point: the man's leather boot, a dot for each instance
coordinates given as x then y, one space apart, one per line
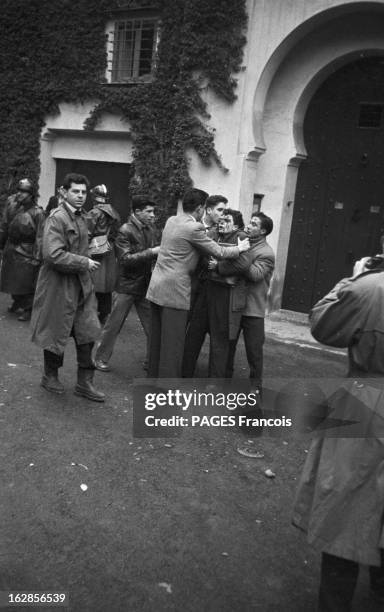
85 387
50 381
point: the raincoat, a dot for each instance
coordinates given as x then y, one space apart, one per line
340 498
64 300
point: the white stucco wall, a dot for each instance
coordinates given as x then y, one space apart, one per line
292 46
275 28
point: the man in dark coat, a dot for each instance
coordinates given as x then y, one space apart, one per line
198 324
65 302
20 231
136 253
340 497
226 298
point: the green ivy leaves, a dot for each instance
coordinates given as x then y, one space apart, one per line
55 50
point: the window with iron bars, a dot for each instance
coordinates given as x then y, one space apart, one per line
133 49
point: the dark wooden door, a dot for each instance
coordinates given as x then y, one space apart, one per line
339 204
115 176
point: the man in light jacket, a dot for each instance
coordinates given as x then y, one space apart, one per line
257 266
184 239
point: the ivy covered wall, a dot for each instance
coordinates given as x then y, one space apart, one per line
54 51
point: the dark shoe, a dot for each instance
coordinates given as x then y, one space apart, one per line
25 316
85 387
101 365
51 383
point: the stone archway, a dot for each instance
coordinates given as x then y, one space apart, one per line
338 215
344 35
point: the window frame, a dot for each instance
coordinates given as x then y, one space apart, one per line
113 69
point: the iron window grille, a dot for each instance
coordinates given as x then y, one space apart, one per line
133 49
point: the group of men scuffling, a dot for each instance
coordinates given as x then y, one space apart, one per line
209 274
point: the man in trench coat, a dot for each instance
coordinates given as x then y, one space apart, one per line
340 498
65 302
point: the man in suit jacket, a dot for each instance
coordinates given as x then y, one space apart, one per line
257 265
184 239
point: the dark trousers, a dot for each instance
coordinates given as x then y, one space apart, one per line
221 355
221 346
167 338
104 305
197 329
254 336
52 361
338 581
23 301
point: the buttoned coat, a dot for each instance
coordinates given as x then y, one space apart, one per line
340 498
64 298
184 240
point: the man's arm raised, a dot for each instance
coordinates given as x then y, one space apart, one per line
205 244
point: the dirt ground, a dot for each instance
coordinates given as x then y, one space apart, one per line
128 524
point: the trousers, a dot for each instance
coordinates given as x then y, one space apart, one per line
53 361
116 319
338 581
197 329
104 305
167 339
254 336
24 301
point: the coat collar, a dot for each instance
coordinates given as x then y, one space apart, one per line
256 241
138 224
71 210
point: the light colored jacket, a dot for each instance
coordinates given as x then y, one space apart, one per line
257 266
340 498
183 241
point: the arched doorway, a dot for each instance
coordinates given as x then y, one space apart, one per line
339 204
